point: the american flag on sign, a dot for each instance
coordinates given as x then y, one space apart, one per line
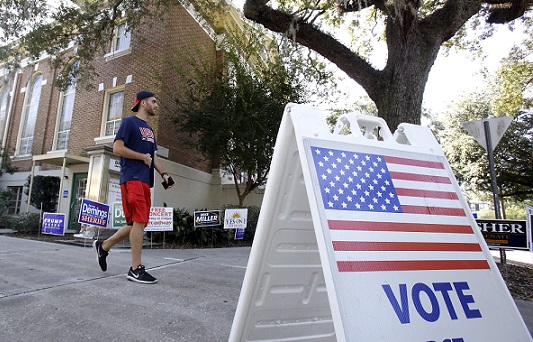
389 213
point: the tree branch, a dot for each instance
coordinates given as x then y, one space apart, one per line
308 35
446 21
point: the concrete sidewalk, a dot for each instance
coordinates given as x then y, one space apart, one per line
55 292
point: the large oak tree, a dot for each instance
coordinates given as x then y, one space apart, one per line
414 31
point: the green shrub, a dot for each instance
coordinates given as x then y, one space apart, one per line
186 234
28 222
5 197
44 192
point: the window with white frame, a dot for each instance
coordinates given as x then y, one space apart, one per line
4 97
120 45
30 116
113 113
15 201
122 38
65 117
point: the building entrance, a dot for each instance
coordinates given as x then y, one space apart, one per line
79 185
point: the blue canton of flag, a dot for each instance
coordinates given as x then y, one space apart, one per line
355 181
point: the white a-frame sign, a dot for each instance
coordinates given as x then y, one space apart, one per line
366 237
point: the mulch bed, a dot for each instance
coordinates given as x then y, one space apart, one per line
519 280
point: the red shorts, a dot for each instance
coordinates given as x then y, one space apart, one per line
136 201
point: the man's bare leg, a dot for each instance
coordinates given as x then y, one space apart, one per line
136 242
119 236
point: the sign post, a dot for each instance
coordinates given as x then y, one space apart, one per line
207 218
489 140
366 238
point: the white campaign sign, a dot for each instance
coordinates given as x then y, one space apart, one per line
235 218
368 239
161 219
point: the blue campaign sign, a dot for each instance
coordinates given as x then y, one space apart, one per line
206 218
53 224
508 234
239 233
94 213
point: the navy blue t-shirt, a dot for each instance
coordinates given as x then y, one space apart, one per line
139 137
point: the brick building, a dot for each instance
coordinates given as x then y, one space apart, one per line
69 134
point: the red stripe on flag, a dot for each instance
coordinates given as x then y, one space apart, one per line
426 193
419 178
358 246
411 265
413 209
414 162
399 227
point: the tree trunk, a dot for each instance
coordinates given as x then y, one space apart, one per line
413 42
398 93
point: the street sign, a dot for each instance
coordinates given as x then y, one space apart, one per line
498 126
365 238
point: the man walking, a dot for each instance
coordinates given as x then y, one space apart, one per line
135 144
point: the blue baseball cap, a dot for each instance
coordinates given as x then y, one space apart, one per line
143 94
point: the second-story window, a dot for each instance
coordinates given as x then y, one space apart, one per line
30 116
65 120
114 113
65 117
122 38
4 97
120 45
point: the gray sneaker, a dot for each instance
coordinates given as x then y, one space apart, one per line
139 275
101 255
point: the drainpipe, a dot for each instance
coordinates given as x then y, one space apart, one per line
61 184
10 110
31 185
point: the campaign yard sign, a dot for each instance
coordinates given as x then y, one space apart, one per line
368 238
119 219
235 218
53 224
161 219
207 218
508 234
94 213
